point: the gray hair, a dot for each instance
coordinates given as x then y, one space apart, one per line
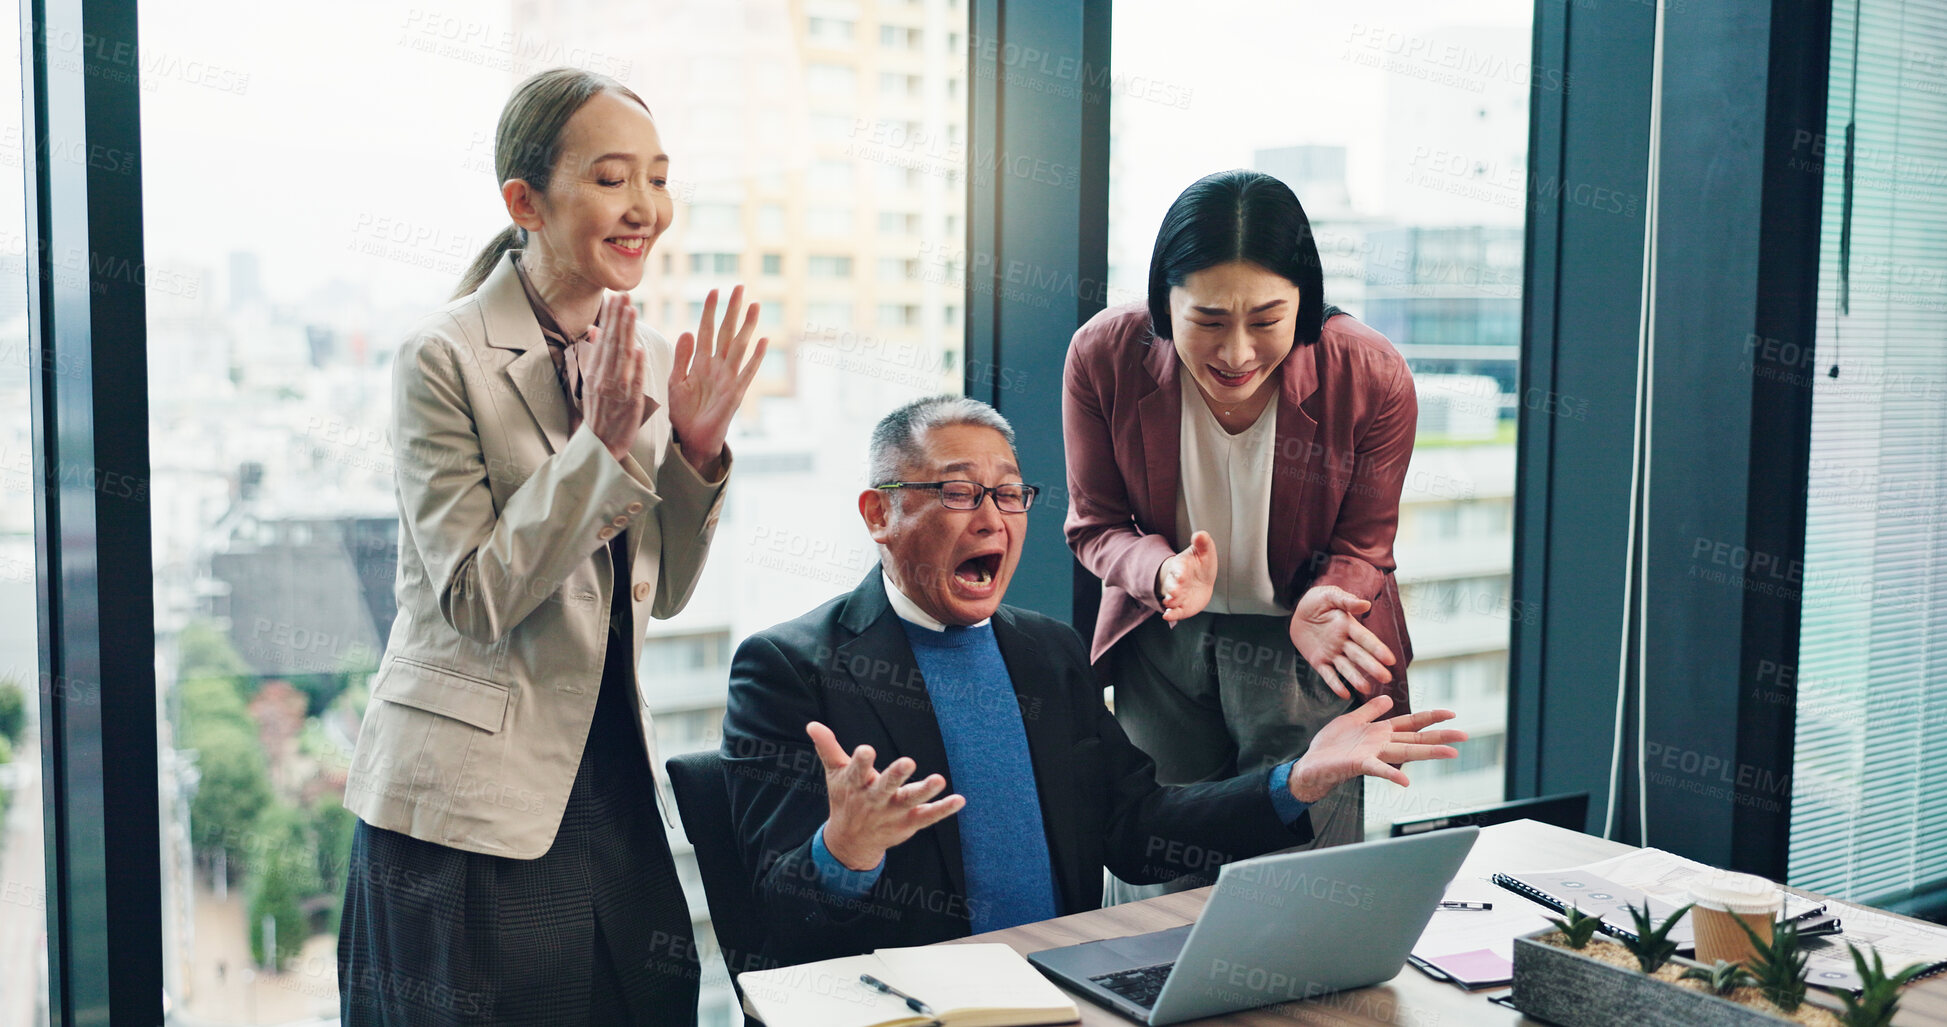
897 439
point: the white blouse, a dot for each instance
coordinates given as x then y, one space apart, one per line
1224 488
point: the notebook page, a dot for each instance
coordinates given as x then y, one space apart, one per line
827 993
969 977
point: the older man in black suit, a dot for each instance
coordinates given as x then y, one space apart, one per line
1030 786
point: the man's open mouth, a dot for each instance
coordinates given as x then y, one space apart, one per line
978 571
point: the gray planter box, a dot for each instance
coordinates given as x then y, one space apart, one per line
1565 987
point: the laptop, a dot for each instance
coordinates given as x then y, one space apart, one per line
1277 928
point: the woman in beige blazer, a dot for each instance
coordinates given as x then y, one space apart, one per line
559 475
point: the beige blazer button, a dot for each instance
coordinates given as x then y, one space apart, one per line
605 534
635 508
641 591
621 522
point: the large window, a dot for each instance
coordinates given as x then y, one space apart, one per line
1402 128
23 875
320 212
1867 813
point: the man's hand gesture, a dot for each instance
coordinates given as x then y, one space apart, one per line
872 810
1359 743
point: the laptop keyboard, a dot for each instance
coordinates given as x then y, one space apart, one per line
1140 985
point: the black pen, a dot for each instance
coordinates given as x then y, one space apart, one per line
886 989
1467 905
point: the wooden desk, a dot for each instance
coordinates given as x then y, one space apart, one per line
1409 998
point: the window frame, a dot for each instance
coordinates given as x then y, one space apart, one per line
99 744
101 777
1736 255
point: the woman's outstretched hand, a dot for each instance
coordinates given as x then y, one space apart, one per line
708 381
1186 580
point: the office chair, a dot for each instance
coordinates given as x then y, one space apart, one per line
703 801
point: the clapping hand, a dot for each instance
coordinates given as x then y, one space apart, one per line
708 381
873 810
1325 629
611 391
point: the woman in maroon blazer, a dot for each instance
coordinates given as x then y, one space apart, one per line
1236 451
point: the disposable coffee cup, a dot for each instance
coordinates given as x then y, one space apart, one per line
1719 902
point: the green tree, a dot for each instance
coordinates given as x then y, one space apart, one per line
6 794
233 788
283 873
321 690
13 709
333 824
234 775
207 701
204 651
273 896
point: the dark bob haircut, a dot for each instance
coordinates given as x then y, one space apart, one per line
1237 215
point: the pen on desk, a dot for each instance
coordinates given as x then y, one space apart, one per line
1467 905
883 988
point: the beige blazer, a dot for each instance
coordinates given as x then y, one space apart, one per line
483 699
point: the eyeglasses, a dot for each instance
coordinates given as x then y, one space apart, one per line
1012 497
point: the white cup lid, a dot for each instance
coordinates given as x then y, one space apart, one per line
1743 894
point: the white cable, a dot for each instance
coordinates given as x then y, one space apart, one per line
1639 465
1652 205
1629 577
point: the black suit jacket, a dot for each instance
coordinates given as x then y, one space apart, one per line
848 665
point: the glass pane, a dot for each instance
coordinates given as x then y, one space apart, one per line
23 872
324 191
1867 817
1402 128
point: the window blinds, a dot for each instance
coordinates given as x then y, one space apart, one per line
1869 806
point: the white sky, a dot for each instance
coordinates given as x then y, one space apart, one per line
338 126
342 123
1274 74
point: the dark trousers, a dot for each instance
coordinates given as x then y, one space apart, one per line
1219 695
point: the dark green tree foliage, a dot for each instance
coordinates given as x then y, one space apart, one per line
283 873
233 786
333 824
13 709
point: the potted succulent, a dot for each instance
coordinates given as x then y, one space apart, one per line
1875 1003
1567 976
1722 976
1577 928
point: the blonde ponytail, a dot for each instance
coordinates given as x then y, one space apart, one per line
510 238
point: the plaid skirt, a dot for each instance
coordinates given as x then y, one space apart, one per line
595 931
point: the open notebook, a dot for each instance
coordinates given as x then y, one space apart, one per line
966 985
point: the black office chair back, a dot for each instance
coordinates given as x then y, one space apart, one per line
704 802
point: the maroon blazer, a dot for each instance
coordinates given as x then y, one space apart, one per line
1346 418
